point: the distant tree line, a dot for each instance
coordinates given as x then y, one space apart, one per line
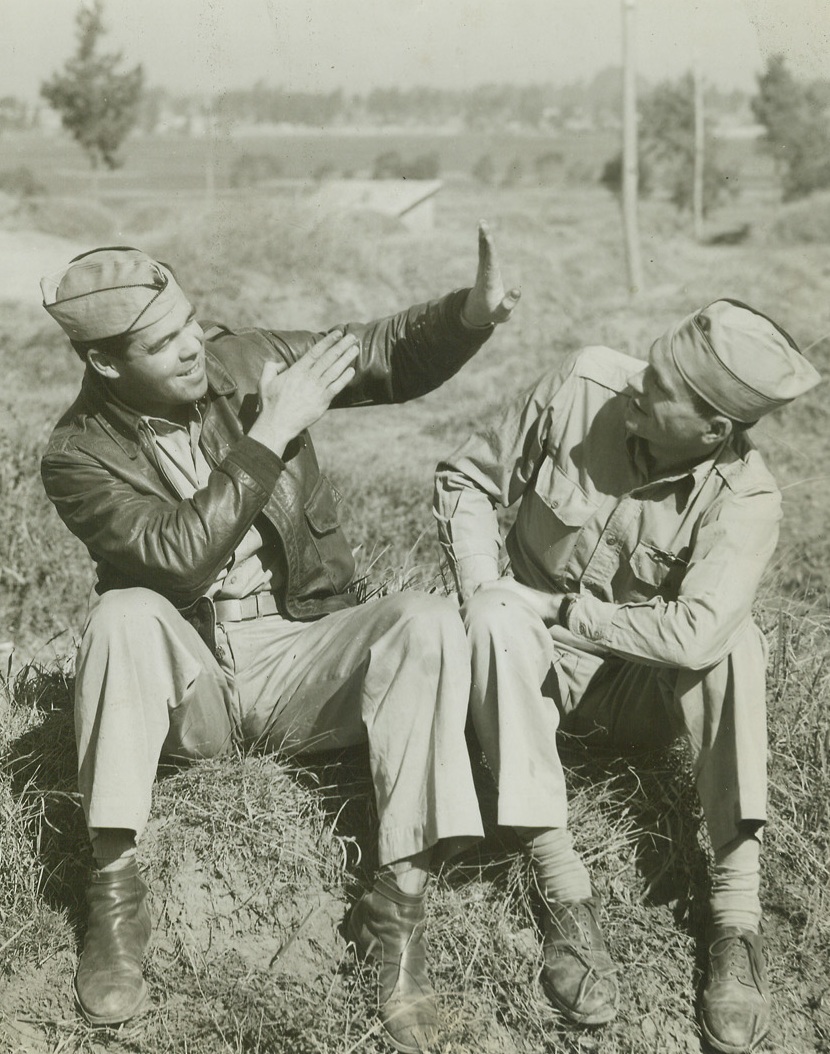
485 107
794 116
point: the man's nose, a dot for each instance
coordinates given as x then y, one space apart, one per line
195 339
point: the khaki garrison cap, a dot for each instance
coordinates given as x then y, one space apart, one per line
110 292
738 360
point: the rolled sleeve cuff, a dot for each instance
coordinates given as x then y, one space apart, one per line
591 618
259 466
473 571
462 329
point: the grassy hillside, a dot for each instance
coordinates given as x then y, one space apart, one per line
252 863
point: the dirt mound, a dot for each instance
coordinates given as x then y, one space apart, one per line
25 256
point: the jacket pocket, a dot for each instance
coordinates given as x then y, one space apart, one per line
563 496
660 570
321 509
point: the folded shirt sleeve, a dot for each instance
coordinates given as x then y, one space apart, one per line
733 546
491 470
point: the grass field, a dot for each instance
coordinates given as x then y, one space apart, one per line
252 862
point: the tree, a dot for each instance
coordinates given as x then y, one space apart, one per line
668 136
390 165
13 114
612 174
629 168
248 169
484 170
98 105
514 172
797 129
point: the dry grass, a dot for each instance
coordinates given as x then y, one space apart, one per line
253 862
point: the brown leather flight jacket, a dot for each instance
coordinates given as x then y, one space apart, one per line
100 472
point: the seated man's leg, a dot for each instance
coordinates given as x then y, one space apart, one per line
513 659
145 682
722 711
394 672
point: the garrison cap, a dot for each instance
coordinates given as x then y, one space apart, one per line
738 360
110 292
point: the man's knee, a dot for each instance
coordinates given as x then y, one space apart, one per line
427 620
497 614
120 610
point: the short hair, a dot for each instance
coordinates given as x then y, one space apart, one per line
115 346
705 409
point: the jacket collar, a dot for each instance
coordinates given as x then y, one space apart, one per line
122 421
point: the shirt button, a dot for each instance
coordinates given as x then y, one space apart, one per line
611 540
554 504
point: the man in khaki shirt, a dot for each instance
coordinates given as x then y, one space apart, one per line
645 521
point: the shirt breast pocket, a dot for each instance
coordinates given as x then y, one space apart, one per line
658 572
563 496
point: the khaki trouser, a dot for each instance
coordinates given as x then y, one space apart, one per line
394 672
526 684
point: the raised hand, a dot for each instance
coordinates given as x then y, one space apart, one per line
487 302
296 398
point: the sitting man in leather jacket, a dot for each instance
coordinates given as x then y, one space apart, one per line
224 613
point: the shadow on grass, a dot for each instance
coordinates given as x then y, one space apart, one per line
653 793
342 782
649 799
42 768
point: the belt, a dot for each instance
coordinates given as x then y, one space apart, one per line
254 606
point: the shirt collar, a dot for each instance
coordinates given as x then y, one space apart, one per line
692 477
163 426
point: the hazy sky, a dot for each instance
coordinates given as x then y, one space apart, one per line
309 45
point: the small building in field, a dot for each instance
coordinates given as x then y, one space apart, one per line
412 201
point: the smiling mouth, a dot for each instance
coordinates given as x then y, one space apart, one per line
197 365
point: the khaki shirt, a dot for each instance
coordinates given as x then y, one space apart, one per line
184 465
665 568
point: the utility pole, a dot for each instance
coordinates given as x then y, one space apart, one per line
700 152
210 156
629 151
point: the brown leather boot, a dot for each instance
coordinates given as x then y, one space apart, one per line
578 973
109 985
388 925
735 1006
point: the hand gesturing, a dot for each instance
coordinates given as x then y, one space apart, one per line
294 399
487 302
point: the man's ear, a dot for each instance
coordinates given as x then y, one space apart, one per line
720 428
104 364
